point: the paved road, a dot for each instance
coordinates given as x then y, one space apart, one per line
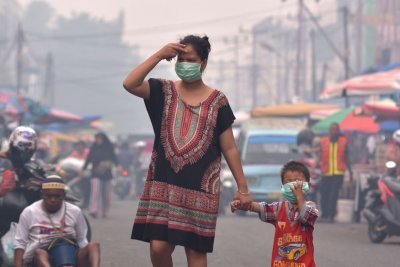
244 241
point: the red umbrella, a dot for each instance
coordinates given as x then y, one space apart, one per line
359 123
373 84
349 120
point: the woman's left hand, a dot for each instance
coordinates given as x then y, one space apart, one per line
245 200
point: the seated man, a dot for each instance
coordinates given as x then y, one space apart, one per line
48 223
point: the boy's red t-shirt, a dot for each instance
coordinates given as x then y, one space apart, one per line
293 243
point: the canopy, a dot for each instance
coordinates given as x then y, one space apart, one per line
27 110
290 110
323 113
371 84
348 121
57 115
12 105
383 109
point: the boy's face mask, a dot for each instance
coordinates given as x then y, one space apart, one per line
188 71
288 194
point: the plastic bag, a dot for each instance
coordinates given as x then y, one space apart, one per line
7 243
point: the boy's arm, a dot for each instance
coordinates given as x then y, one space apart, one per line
309 213
269 211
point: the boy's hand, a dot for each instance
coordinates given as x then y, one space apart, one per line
235 205
297 190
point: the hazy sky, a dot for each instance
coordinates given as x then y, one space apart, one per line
152 23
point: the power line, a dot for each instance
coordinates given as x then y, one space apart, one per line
155 29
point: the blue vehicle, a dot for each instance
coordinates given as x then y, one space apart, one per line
263 152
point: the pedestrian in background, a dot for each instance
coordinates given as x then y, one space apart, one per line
102 158
293 218
80 150
334 160
192 125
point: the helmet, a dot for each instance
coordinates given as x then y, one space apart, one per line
396 136
23 142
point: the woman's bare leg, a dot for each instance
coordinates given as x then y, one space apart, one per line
161 253
195 258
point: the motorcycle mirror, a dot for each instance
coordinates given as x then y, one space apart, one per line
390 164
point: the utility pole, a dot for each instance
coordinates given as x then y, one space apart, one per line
346 48
254 71
299 52
236 60
327 38
346 42
49 94
313 66
323 75
359 25
19 57
288 66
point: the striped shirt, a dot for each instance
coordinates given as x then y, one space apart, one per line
307 216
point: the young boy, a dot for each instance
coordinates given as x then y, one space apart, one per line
293 218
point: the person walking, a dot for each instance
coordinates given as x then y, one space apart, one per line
334 160
293 218
102 158
80 151
192 125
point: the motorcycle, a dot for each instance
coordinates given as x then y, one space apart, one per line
228 189
122 184
26 192
382 205
80 187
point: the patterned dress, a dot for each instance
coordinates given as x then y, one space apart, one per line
179 203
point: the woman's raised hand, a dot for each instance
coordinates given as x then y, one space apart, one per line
171 50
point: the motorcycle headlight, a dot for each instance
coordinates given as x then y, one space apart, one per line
390 164
227 183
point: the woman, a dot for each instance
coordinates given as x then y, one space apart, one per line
192 126
102 158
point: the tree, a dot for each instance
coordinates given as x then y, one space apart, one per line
90 63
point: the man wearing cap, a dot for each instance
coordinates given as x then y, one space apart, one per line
49 223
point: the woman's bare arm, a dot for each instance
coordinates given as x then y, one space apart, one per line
135 84
232 156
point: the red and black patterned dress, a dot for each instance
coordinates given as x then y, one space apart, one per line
179 203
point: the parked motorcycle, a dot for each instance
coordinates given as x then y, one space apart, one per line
122 184
26 192
382 205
